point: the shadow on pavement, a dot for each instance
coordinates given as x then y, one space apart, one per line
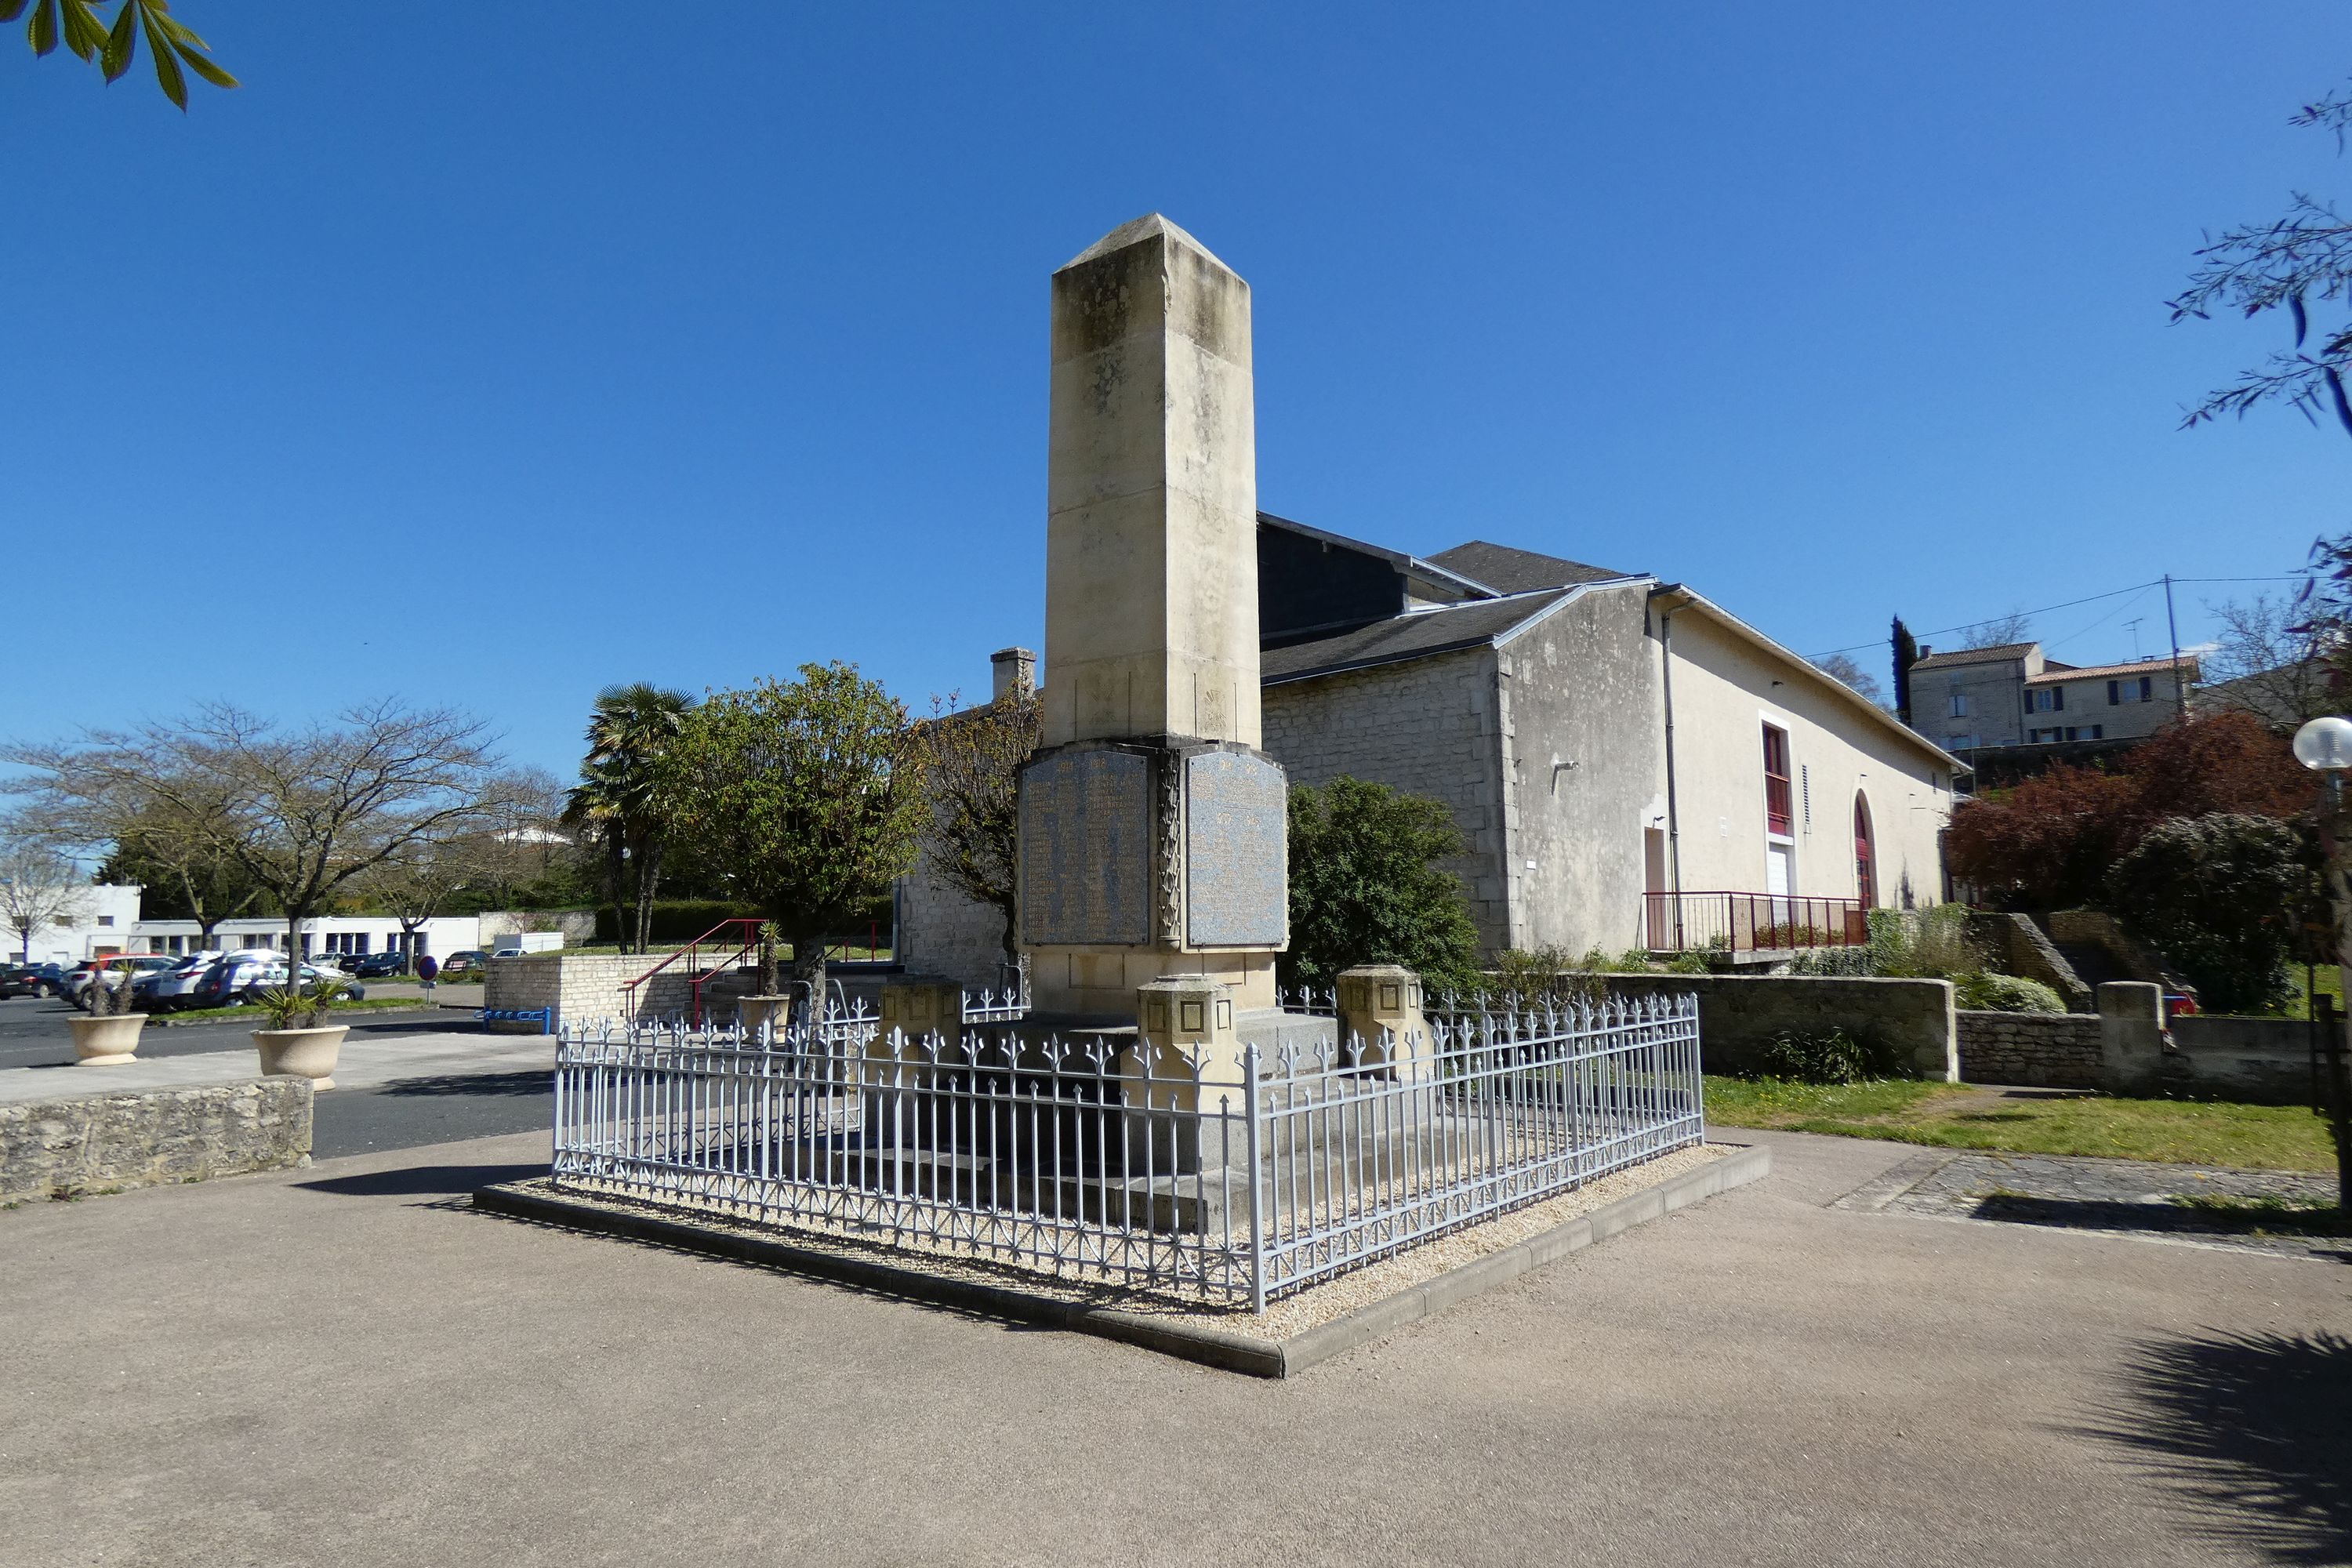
2166 1219
2249 1433
425 1181
535 1080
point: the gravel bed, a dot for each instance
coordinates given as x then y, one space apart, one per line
1288 1316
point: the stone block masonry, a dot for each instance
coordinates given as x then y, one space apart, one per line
104 1141
1738 1014
2037 1051
586 988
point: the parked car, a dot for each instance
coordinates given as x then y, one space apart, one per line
32 979
273 975
467 961
117 969
169 990
228 978
379 965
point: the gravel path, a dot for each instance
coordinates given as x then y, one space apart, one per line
1290 1315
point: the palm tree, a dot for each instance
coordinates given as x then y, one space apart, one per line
618 795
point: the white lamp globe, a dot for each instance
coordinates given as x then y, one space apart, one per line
2324 745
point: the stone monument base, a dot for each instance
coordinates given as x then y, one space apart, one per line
1100 982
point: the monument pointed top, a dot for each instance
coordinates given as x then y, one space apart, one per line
1135 232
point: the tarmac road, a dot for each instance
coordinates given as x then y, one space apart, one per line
347 1365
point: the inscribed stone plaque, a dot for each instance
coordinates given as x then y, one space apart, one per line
1236 886
1085 849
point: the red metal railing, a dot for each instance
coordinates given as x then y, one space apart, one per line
1751 923
745 943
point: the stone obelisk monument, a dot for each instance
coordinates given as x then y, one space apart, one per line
1151 825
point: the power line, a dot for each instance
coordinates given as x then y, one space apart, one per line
2070 604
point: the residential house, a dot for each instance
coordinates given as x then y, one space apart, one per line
2010 709
1630 765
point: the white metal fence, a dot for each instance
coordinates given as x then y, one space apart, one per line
1095 1162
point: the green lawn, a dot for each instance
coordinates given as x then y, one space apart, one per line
1956 1116
384 1004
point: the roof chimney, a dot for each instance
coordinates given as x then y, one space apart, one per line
1924 650
1014 670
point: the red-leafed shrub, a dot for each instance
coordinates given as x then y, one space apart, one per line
2050 841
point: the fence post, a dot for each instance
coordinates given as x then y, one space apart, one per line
1257 1226
2337 1104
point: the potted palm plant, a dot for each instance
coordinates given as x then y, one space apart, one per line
109 1034
299 1042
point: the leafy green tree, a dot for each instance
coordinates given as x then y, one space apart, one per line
112 46
619 799
1365 886
971 774
2222 895
802 799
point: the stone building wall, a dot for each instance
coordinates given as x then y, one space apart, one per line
942 932
584 988
106 1142
2041 1051
1429 727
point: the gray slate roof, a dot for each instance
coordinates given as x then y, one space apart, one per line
1509 570
1470 624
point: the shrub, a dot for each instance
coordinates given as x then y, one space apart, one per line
1365 887
2220 896
1823 1056
2007 993
2050 841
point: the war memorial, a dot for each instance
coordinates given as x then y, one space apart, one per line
1152 1118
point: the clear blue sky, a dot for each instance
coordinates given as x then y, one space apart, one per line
490 357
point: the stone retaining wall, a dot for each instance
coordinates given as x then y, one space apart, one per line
1740 1013
103 1142
2041 1051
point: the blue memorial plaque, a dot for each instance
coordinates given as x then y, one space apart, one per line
1236 882
1085 849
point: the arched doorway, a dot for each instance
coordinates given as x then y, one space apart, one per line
1865 854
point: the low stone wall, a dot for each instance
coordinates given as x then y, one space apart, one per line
105 1141
1738 1014
2125 1049
584 988
2039 1050
2266 1061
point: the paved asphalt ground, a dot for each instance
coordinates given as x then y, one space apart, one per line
346 1365
432 1109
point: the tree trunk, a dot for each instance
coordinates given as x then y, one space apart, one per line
808 970
616 869
294 951
649 858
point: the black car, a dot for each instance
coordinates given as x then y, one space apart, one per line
31 980
379 965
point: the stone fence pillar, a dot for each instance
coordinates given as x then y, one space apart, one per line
2131 1037
920 1016
1381 1025
1187 1123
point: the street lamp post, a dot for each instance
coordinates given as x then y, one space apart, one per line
2325 746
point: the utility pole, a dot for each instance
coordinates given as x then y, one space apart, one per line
2172 628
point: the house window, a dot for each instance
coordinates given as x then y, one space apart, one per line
1960 704
2114 693
106 919
1776 781
2148 688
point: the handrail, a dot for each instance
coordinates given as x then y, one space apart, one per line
692 954
1737 922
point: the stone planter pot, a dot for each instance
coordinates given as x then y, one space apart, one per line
103 1042
757 1010
301 1053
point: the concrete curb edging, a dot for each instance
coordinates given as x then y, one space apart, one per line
1209 1347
